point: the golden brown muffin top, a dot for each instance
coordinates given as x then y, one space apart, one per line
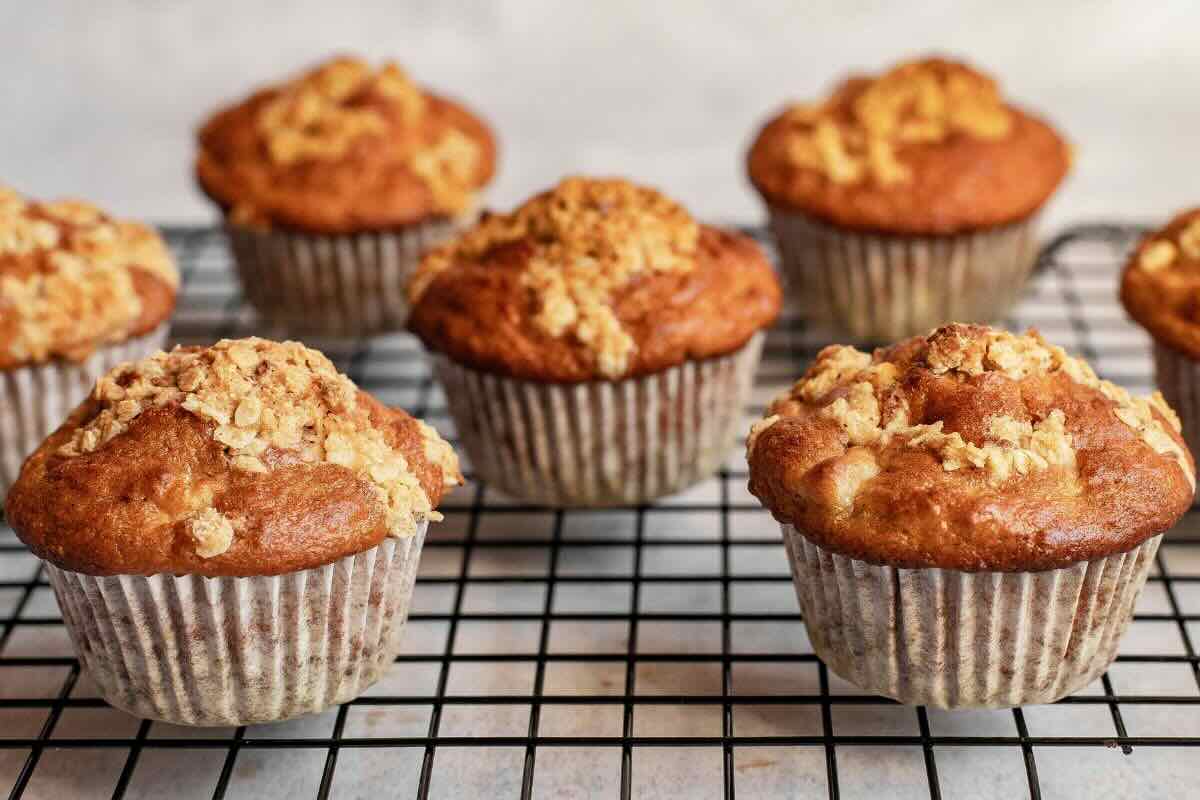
1161 284
249 457
972 449
593 279
928 147
344 148
72 279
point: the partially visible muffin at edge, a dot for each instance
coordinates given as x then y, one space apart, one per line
347 171
1160 289
80 292
605 295
987 482
906 200
232 532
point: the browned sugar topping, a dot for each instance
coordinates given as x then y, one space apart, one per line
264 399
586 238
66 277
860 132
324 113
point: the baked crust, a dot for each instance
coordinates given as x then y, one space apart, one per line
592 280
344 149
73 279
1160 286
145 478
971 449
929 147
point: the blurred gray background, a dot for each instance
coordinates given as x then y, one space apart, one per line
101 98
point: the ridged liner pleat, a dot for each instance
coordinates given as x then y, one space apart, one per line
333 285
236 651
35 400
600 443
1178 378
954 639
885 287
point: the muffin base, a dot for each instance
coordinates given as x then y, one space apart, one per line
235 651
883 287
600 443
955 639
1178 378
36 399
333 285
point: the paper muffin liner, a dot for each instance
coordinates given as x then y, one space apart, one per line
236 651
882 287
955 639
600 443
334 285
1178 378
35 400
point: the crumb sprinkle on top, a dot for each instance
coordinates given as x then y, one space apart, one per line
67 277
859 133
263 398
586 239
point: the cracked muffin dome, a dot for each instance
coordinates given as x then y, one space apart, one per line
73 279
343 148
971 449
249 457
928 147
1160 287
595 279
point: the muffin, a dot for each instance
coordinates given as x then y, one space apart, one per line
969 516
596 344
1160 289
907 200
80 292
232 532
334 184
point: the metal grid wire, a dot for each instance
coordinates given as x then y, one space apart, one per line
648 651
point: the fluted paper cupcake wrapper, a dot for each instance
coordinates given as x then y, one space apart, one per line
882 287
600 443
333 285
955 639
35 400
1178 378
235 651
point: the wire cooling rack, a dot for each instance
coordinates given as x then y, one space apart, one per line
642 652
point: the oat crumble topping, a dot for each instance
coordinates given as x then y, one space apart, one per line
873 414
320 114
324 113
859 133
66 276
588 238
212 531
1162 252
261 396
